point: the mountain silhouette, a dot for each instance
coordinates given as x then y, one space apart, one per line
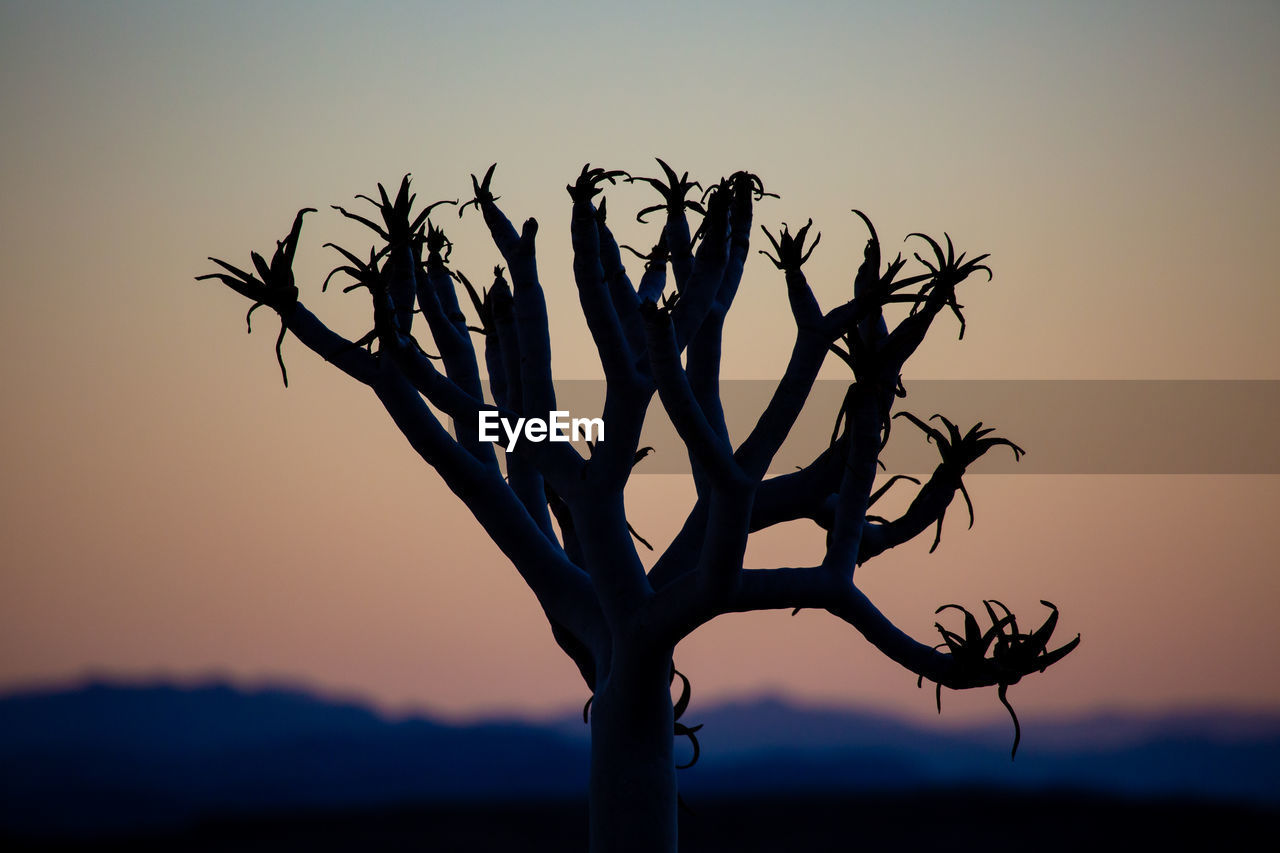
106 758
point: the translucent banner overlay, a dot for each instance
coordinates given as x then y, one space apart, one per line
1066 426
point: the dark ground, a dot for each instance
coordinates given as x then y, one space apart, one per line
944 821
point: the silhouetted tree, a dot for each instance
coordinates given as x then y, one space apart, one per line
559 517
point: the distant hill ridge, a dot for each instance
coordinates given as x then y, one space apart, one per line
104 756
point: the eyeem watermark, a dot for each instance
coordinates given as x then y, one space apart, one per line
561 427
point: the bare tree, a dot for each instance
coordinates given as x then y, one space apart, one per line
559 517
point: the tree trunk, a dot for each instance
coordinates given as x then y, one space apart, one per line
633 776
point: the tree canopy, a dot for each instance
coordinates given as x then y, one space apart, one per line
558 514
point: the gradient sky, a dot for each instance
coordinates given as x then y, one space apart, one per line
168 509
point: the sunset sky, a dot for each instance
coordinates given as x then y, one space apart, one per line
168 509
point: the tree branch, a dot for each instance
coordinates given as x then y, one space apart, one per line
593 294
329 345
562 589
626 304
807 354
449 331
864 419
709 451
709 265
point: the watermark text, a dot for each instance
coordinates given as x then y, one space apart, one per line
559 427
